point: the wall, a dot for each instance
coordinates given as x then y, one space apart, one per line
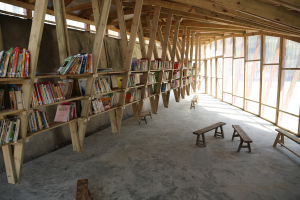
15 33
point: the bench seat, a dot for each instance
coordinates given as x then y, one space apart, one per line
239 132
280 139
209 128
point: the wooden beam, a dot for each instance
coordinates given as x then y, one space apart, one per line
182 88
9 164
61 30
68 2
187 48
78 7
142 41
161 39
154 47
87 13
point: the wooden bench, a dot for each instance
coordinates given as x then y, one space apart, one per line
280 139
83 192
194 100
239 132
209 128
144 114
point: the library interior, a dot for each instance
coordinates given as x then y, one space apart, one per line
104 99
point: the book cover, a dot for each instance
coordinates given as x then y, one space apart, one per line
82 85
12 99
62 113
19 100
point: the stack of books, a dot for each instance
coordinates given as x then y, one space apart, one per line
165 87
65 112
97 106
187 73
37 121
166 76
189 64
14 63
78 64
16 97
140 64
174 84
9 130
156 64
101 86
151 78
176 74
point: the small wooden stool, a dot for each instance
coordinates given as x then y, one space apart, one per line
194 100
144 114
83 192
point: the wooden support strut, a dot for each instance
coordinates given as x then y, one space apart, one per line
127 63
166 95
182 88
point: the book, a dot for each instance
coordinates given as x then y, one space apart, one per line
12 100
19 100
1 97
62 113
77 64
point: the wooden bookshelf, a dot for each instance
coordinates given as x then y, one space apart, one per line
13 162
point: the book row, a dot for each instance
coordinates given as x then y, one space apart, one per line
101 86
14 63
77 64
37 121
165 87
9 130
157 64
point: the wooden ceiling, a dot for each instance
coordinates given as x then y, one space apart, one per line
208 18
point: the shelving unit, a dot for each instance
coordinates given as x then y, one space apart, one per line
14 152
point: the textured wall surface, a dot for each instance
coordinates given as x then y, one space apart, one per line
15 33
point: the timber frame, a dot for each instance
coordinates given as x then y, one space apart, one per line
184 28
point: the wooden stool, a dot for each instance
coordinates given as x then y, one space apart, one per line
83 192
144 114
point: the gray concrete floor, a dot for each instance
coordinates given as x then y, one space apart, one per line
161 161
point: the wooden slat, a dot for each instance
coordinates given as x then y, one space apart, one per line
142 40
209 128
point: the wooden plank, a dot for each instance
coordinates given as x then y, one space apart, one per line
187 48
280 78
78 7
113 121
175 41
9 164
242 133
196 64
61 30
142 40
209 128
153 31
122 26
182 88
96 10
74 136
289 135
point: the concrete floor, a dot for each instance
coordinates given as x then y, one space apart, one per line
161 161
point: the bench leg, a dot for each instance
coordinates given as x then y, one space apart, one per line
241 143
150 115
222 132
282 138
199 141
249 147
276 140
216 130
145 119
235 135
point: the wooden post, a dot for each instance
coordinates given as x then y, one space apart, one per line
34 48
233 52
223 70
182 88
245 69
161 38
191 88
174 50
61 30
97 48
166 95
127 64
154 47
262 60
200 60
142 40
280 78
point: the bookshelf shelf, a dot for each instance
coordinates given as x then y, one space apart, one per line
142 71
152 83
137 86
100 113
11 112
155 70
59 102
66 76
110 73
113 91
126 104
52 125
